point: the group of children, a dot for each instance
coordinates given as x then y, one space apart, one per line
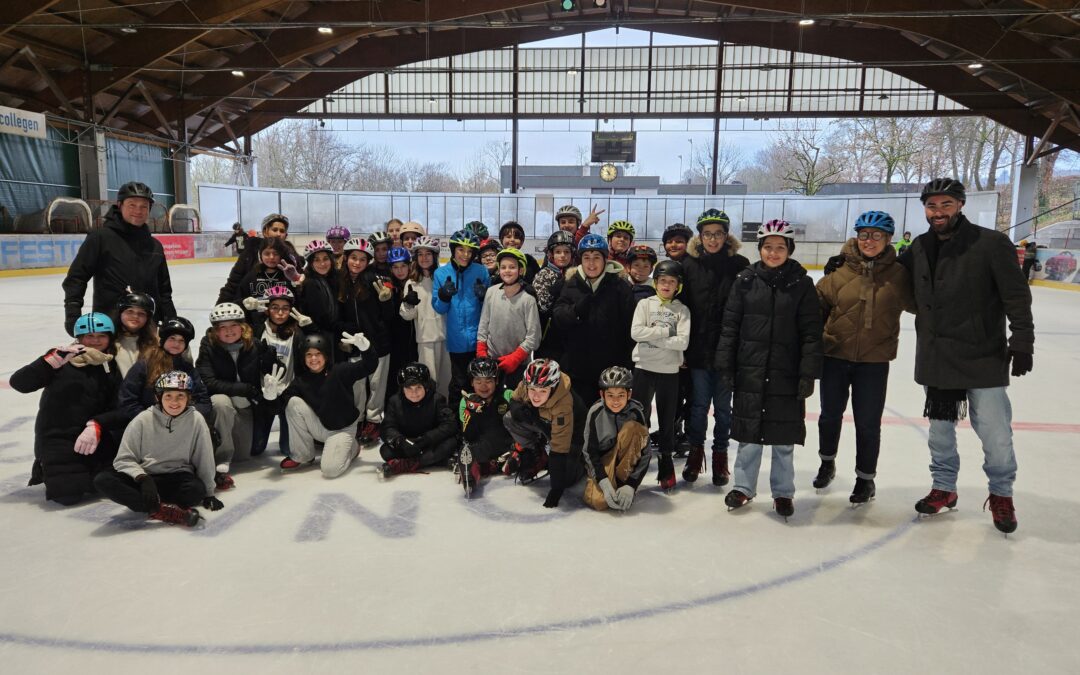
490 363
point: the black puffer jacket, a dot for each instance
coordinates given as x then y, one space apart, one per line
367 315
962 306
118 256
426 423
330 393
245 262
136 394
242 377
707 280
595 326
770 339
317 299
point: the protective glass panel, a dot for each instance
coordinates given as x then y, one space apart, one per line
295 206
219 208
322 212
255 205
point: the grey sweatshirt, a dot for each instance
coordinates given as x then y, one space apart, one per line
657 350
509 323
155 443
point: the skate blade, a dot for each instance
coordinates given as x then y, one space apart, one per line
943 511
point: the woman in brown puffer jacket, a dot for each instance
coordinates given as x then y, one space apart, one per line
862 302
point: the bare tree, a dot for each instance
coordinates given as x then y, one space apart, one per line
859 161
807 167
216 169
894 141
765 173
584 154
729 160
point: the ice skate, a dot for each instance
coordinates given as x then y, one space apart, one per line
721 474
785 507
864 491
176 515
826 473
465 470
1003 513
935 501
395 467
223 481
736 499
665 473
694 464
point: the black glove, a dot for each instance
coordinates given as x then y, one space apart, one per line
557 473
806 387
411 298
834 263
523 413
212 503
150 497
448 290
1022 363
479 289
397 443
581 307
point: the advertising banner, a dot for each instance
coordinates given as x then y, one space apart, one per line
177 246
21 122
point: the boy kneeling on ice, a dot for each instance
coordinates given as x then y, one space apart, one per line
616 443
419 430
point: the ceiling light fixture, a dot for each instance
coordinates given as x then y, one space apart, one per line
556 28
975 66
806 22
130 30
326 30
238 73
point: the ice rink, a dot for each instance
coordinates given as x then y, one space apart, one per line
302 574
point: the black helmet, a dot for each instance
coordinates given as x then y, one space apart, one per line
560 238
668 268
141 300
676 230
944 186
177 325
511 225
413 373
317 341
484 366
134 189
616 376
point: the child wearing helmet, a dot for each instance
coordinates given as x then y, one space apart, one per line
480 416
862 302
366 307
509 328
460 286
594 312
336 237
77 410
319 403
410 232
316 296
402 331
282 331
231 364
165 465
640 262
380 248
428 325
617 452
273 269
709 271
137 335
661 331
547 285
568 219
274 226
620 237
770 354
489 258
545 419
419 429
512 235
676 238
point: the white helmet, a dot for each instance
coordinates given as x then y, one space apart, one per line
426 242
776 228
227 311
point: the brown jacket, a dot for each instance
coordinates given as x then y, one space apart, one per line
558 409
862 302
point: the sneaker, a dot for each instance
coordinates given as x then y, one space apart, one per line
736 499
935 501
223 481
176 515
694 464
396 467
665 473
720 472
1001 509
785 506
864 491
825 474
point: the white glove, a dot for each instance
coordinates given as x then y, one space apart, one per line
382 290
301 319
255 304
357 341
609 493
624 496
290 271
274 383
58 356
87 441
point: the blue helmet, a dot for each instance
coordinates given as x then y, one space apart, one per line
94 322
592 242
398 254
876 219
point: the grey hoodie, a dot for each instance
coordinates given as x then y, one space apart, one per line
155 443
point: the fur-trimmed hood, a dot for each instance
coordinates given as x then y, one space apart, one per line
696 249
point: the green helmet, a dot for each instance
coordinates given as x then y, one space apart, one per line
620 226
479 228
512 253
710 216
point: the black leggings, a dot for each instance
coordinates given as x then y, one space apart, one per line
665 386
180 488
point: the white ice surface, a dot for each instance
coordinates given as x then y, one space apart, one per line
302 574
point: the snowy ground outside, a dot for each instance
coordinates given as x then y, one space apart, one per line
303 574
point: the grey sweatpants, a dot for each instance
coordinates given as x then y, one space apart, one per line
234 426
377 390
305 429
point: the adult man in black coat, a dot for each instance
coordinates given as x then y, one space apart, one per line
709 270
967 283
120 257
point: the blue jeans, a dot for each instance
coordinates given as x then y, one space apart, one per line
781 477
707 388
991 418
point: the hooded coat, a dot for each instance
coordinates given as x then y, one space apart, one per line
463 311
707 282
118 256
862 302
770 339
563 412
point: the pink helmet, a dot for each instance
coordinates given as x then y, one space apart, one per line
317 246
278 293
359 244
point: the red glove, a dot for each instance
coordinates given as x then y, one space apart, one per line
512 361
481 349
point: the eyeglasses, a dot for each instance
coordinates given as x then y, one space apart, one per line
713 236
279 310
876 235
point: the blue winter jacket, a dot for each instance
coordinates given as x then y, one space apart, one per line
463 310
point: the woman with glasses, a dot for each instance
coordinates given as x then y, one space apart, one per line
862 301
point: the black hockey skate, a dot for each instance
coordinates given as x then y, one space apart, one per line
864 491
785 507
825 474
